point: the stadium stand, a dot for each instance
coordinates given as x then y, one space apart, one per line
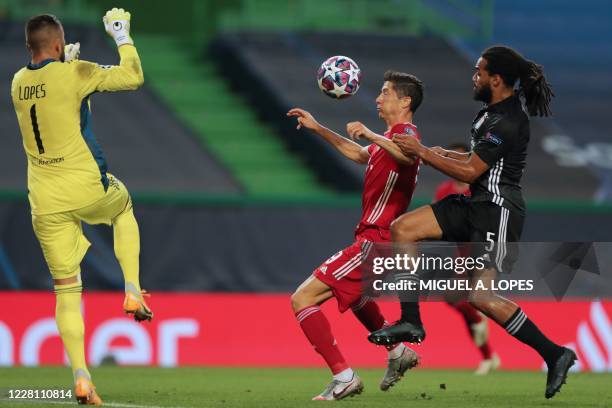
223 122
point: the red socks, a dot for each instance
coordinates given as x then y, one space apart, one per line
485 350
369 314
472 316
318 331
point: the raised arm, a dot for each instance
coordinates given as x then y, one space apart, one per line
348 148
358 130
123 77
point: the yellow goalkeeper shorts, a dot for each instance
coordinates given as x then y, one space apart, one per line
61 235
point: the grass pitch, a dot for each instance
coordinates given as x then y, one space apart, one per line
292 387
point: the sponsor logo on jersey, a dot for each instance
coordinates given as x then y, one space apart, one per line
490 137
46 162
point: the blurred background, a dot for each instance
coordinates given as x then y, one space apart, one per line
231 198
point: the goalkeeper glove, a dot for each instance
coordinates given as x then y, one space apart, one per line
72 51
117 25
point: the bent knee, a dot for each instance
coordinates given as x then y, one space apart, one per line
417 225
402 230
298 300
303 298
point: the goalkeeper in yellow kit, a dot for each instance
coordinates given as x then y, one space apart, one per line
68 181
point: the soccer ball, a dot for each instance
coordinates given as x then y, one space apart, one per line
339 77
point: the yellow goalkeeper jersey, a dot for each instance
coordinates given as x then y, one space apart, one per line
66 166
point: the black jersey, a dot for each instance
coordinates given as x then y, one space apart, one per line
500 135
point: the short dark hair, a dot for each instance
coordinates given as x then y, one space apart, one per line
512 66
406 85
37 25
459 146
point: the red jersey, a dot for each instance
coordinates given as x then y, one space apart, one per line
449 188
387 189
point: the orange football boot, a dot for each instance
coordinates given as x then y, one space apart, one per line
85 392
135 305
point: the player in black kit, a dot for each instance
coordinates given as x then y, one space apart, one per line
495 212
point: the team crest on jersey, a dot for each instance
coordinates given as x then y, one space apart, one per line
323 269
490 137
409 131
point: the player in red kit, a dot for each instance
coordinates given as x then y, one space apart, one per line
390 179
475 321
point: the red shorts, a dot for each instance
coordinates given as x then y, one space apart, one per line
343 274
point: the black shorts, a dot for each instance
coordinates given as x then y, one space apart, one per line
483 223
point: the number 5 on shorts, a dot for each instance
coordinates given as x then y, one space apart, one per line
490 241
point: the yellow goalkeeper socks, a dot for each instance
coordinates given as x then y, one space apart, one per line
70 325
127 249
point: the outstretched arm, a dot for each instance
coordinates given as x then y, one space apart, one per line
358 130
450 153
348 148
463 170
